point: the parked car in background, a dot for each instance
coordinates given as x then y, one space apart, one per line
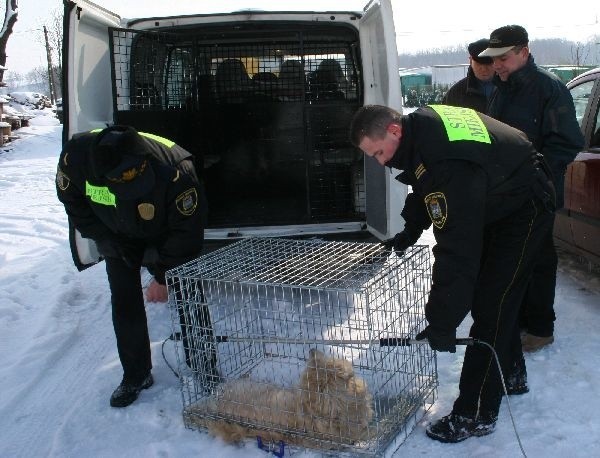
577 227
59 110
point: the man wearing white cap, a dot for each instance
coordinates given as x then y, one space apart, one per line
536 102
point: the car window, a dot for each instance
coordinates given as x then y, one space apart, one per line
581 96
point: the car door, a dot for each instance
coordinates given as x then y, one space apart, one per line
87 89
578 224
384 195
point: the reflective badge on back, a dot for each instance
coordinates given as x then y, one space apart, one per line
437 207
462 124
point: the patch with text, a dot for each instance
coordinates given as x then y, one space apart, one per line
462 124
100 194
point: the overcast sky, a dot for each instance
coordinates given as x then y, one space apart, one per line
417 27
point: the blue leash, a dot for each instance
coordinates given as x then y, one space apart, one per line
267 448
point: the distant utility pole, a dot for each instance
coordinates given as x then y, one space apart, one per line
51 83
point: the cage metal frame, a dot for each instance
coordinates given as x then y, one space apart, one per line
271 300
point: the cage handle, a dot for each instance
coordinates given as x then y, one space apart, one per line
405 342
383 342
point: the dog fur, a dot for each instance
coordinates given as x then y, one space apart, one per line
328 404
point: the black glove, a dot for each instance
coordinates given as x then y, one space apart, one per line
402 240
131 252
128 250
107 248
439 339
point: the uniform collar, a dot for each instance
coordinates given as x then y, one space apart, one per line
400 158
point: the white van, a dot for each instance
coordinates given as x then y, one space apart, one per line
262 99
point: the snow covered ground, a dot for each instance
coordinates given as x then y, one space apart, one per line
59 362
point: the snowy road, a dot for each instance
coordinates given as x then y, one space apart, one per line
59 361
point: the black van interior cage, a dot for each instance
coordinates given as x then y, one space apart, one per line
265 111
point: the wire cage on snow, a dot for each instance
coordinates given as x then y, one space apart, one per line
293 342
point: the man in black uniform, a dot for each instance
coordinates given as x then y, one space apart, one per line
485 190
138 197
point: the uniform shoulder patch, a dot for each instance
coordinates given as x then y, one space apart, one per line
62 180
187 202
437 207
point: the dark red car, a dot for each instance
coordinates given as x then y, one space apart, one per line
577 227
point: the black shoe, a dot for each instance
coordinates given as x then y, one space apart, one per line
516 381
456 428
532 343
516 388
128 392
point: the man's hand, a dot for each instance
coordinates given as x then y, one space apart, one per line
439 339
401 241
107 248
131 253
155 292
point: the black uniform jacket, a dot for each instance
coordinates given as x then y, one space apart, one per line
538 103
167 223
463 186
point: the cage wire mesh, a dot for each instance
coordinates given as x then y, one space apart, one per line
255 316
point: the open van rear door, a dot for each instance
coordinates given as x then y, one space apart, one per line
87 81
87 89
384 195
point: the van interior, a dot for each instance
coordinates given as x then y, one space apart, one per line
264 109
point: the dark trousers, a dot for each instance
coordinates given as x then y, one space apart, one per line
129 319
537 309
509 254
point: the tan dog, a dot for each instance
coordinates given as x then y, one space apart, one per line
329 404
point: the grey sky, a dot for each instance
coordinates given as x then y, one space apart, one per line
417 28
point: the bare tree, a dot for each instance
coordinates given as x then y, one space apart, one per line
37 79
54 25
579 53
10 17
51 37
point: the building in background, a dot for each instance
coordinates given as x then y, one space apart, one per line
425 85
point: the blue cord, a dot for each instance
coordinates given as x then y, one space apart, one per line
278 453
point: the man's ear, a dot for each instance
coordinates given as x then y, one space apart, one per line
395 130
